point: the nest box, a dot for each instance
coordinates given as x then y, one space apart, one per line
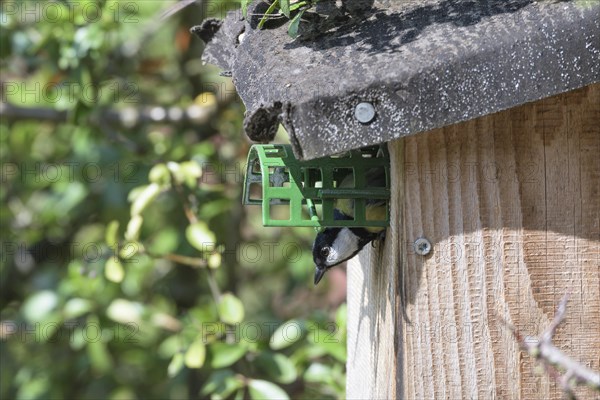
491 114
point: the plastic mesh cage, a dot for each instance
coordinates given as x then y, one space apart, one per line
304 193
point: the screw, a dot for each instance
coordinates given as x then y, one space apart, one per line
364 112
422 246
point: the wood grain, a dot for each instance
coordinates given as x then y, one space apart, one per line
511 205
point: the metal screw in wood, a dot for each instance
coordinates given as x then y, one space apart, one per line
422 246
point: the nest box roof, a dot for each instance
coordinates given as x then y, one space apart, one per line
420 64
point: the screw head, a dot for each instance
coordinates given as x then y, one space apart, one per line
364 112
422 246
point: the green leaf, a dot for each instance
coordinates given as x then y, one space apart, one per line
269 11
195 354
134 193
122 393
214 260
221 384
239 395
175 170
295 6
277 367
223 354
169 347
160 174
38 306
295 24
111 233
125 311
113 270
231 309
163 242
142 201
191 172
284 6
175 365
96 348
200 236
287 334
213 208
262 390
317 372
341 316
133 228
76 307
129 249
99 356
333 346
305 354
245 7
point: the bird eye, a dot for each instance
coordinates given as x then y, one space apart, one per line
325 251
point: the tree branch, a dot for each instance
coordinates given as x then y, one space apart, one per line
130 117
554 360
194 262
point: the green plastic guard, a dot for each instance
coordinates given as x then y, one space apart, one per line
303 193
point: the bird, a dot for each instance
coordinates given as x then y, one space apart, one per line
332 246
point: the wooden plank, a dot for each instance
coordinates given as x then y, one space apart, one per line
373 313
511 205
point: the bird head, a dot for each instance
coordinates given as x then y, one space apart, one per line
334 246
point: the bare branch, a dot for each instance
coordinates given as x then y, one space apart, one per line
554 360
130 117
194 262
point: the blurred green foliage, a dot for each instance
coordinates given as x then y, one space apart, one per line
129 267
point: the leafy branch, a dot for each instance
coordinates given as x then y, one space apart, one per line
283 8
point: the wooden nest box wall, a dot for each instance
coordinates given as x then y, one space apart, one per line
491 112
510 203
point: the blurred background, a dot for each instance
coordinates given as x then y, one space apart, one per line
129 268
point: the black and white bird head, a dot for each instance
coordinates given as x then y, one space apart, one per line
333 246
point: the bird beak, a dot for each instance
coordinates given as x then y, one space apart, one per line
319 272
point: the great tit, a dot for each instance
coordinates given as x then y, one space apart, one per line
333 246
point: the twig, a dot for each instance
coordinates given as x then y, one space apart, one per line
214 288
170 10
212 282
185 260
187 209
194 262
554 360
129 117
